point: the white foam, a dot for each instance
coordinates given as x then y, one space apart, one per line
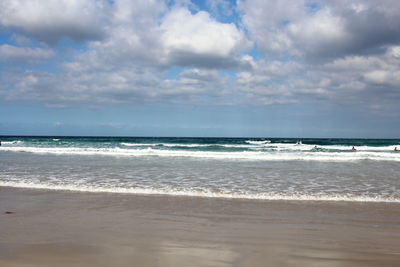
192 193
359 148
239 155
137 144
182 145
252 142
185 145
10 142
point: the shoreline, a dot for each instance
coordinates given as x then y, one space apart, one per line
191 194
62 228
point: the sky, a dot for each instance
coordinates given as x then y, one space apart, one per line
246 68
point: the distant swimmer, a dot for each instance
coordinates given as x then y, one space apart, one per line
354 149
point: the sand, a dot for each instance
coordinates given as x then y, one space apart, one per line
62 228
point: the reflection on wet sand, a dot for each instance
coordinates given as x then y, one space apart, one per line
51 228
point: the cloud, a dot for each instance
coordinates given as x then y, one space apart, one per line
25 55
383 77
324 30
199 75
52 20
377 76
198 40
221 7
144 39
341 52
366 82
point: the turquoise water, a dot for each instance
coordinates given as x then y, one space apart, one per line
253 168
257 147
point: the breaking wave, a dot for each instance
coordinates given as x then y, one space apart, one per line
201 193
280 152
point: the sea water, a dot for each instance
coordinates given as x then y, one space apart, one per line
250 168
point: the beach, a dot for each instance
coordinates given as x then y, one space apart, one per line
186 133
65 228
166 201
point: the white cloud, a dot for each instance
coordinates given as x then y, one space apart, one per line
26 55
383 77
318 33
394 52
267 22
197 39
329 30
198 33
307 53
53 20
199 75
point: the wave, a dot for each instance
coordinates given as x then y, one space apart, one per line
264 145
137 144
198 193
178 145
10 142
164 144
267 145
222 155
252 142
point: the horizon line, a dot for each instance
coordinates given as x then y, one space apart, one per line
209 137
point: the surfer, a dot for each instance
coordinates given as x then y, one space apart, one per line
395 148
354 149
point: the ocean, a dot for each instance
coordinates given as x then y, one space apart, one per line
246 168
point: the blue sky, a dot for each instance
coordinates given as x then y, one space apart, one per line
200 68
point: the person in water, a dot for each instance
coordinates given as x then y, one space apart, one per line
354 149
395 149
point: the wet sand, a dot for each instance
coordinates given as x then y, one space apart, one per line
61 228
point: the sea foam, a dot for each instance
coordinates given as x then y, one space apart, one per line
198 193
277 155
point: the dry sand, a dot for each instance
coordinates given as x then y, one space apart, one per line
55 228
